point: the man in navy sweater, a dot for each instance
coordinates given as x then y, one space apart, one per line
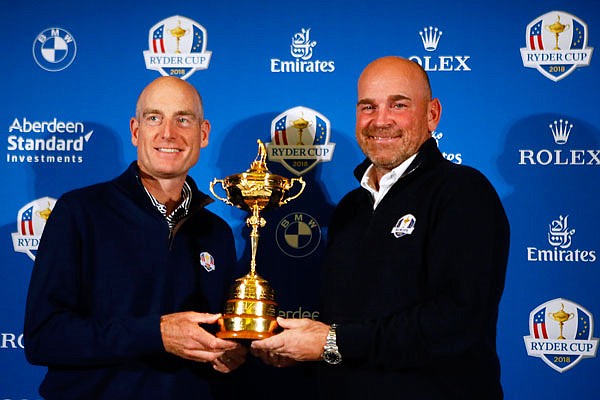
130 274
415 264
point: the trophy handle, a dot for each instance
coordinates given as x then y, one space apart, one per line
292 181
223 199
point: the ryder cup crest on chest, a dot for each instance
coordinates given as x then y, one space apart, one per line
207 261
404 226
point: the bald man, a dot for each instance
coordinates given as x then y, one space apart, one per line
415 265
130 274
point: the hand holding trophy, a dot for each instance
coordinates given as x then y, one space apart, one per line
251 310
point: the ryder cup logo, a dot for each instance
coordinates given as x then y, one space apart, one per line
298 235
560 333
300 139
54 49
556 45
177 47
430 38
31 221
404 226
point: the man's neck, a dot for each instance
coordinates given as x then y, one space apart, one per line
165 191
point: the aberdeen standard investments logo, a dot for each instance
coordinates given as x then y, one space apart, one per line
560 333
54 49
556 44
302 50
31 221
51 141
177 47
300 139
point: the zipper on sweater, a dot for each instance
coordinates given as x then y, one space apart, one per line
176 228
404 175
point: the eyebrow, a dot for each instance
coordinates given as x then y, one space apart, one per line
394 97
178 113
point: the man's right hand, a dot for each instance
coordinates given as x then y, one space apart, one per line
183 336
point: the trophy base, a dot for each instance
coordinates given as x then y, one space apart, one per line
246 327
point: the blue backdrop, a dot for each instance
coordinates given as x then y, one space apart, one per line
517 82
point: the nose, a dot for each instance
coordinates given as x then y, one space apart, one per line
169 131
382 117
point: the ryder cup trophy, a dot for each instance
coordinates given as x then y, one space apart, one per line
251 310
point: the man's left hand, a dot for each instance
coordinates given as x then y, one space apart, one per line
301 340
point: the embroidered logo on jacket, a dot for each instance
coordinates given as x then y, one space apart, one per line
404 226
207 261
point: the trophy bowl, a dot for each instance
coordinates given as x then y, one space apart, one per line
251 310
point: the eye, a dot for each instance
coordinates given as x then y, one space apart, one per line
399 106
153 119
184 120
366 108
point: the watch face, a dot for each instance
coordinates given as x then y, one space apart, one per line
332 357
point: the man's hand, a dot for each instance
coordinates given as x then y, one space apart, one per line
231 359
301 340
183 336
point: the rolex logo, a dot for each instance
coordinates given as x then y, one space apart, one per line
560 131
430 38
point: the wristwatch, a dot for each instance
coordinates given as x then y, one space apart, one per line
331 354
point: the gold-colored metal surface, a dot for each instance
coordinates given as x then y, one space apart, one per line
251 310
557 28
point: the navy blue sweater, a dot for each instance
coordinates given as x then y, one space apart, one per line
417 312
106 269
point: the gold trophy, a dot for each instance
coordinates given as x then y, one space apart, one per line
178 32
300 124
557 28
561 317
251 310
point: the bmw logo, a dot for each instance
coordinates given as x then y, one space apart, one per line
298 235
54 49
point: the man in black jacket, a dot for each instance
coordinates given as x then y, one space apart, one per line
128 270
415 264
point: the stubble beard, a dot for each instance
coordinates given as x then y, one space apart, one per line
393 155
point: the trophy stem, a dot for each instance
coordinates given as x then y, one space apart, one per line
255 221
561 325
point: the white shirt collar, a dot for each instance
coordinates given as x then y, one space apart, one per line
386 181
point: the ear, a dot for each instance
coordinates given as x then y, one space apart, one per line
204 133
434 113
134 126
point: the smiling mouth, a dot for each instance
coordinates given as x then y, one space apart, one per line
167 150
382 137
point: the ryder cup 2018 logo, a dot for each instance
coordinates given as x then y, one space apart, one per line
31 221
177 47
560 333
54 49
300 139
556 45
